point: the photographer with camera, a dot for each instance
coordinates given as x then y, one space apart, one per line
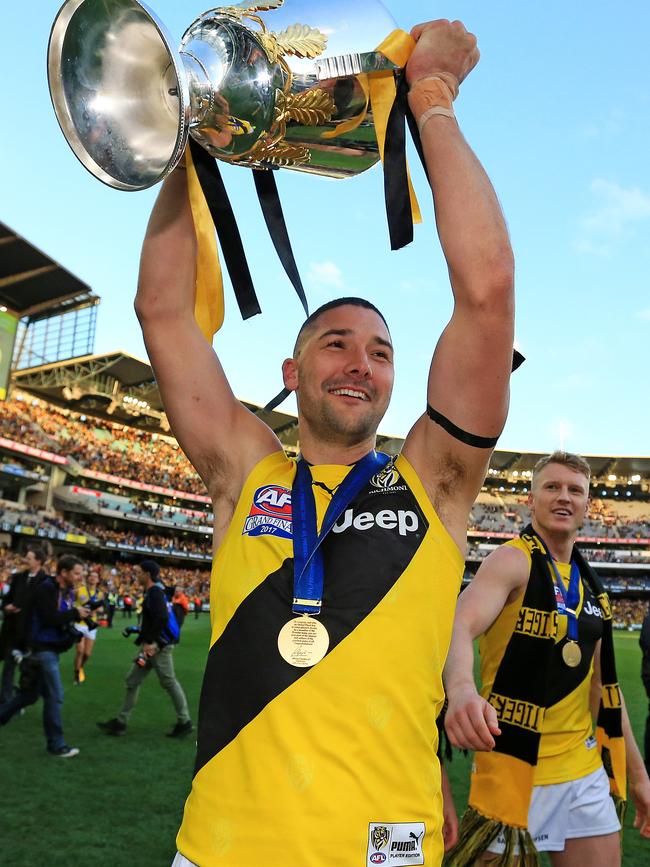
157 635
52 633
17 609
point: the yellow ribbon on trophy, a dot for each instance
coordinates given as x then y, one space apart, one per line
209 299
380 91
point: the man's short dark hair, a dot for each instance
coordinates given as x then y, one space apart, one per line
350 301
68 562
151 568
38 551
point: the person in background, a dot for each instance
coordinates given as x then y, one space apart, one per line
156 653
542 777
644 641
180 604
17 606
89 595
52 633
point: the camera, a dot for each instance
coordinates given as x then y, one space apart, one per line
142 659
130 630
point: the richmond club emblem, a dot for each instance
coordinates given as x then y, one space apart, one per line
386 478
379 837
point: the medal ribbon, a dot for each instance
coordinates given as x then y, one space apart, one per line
308 564
571 598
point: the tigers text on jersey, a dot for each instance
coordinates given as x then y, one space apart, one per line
295 765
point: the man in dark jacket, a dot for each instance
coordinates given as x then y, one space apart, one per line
156 649
644 641
17 609
52 618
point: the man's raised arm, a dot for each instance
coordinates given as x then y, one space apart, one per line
222 439
468 380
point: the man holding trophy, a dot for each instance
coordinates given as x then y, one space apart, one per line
336 576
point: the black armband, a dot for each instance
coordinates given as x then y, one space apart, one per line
462 435
458 433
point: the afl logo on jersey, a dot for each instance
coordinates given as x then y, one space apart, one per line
273 500
270 513
377 858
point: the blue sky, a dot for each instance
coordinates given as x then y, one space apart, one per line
558 110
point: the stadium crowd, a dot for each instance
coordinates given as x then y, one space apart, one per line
98 445
149 540
118 578
509 515
628 612
143 510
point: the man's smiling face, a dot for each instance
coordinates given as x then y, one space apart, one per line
559 499
342 374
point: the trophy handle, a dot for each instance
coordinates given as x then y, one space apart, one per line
120 90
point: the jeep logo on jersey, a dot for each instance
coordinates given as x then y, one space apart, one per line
592 609
270 513
403 520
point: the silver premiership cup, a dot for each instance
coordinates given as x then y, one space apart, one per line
265 84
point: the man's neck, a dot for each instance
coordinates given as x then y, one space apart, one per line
316 451
560 545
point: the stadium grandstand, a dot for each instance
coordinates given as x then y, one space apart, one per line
87 460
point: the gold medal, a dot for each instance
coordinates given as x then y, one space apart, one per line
571 654
303 641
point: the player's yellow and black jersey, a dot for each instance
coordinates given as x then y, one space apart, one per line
567 749
334 765
81 595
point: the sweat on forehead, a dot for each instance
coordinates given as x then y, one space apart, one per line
352 301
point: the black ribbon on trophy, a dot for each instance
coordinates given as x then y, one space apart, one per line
131 106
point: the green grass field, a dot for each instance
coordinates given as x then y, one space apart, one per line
120 801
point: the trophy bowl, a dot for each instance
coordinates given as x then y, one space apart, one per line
272 84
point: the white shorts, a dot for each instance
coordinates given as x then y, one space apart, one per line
90 634
564 811
181 861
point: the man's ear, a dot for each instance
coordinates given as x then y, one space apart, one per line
290 373
531 499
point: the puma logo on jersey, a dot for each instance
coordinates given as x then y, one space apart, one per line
403 520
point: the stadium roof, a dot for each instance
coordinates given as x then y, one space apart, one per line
35 286
122 388
510 462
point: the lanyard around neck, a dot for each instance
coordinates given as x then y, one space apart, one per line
570 597
308 564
